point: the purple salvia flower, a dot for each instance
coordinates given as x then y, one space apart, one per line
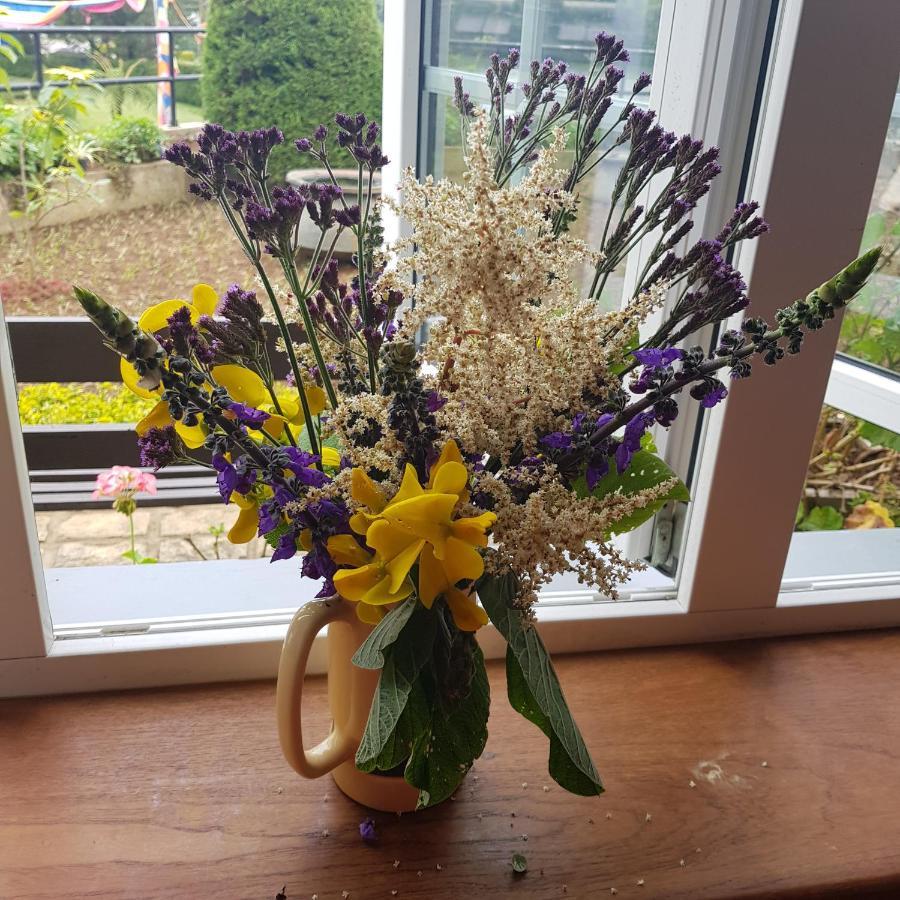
631 440
247 415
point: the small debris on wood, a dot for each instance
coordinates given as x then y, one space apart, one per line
692 783
519 864
324 832
640 882
648 818
764 764
281 895
396 863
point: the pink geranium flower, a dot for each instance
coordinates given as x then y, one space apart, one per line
123 481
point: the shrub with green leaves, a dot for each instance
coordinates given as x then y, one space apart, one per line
291 62
129 140
56 403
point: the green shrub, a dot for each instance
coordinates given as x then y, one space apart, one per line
189 63
129 140
56 403
291 63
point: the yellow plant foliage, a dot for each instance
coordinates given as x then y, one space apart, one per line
73 403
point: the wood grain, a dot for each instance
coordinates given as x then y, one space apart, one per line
183 793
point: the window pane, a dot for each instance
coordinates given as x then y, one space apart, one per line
849 512
568 29
564 31
871 327
127 228
461 34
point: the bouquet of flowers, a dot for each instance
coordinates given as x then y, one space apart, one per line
462 422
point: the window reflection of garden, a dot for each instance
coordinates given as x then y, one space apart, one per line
853 481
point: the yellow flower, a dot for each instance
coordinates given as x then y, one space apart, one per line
375 581
417 525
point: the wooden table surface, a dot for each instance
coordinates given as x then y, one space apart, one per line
763 768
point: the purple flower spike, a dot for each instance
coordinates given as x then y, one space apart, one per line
631 440
656 357
556 440
367 831
247 415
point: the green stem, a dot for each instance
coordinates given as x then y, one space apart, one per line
131 533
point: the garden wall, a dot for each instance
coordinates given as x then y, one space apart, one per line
111 191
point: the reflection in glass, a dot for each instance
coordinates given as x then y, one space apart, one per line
871 328
461 34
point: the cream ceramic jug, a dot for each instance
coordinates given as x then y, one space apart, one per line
350 692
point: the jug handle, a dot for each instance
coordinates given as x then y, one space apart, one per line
339 746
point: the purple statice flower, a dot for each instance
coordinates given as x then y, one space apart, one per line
158 447
247 415
367 831
631 440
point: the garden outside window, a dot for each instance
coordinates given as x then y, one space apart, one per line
756 79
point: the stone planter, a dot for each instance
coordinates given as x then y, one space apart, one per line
346 178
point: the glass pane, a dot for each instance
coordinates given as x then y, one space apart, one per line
871 327
847 518
101 209
568 29
564 31
849 511
461 34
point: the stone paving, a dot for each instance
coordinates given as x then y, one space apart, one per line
98 537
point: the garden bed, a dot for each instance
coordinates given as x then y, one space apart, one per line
135 258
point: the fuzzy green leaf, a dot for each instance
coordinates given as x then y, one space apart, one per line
645 471
370 655
414 721
822 518
543 704
562 770
445 751
403 662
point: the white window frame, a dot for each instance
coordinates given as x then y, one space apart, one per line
736 544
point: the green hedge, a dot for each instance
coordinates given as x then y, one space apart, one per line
291 63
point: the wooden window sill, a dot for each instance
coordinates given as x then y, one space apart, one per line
791 746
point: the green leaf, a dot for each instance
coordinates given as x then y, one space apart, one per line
645 471
519 864
879 436
370 655
543 702
403 662
562 770
147 561
444 753
822 518
414 721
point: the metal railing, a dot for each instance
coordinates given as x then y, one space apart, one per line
171 77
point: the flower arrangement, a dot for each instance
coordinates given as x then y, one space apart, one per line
438 484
